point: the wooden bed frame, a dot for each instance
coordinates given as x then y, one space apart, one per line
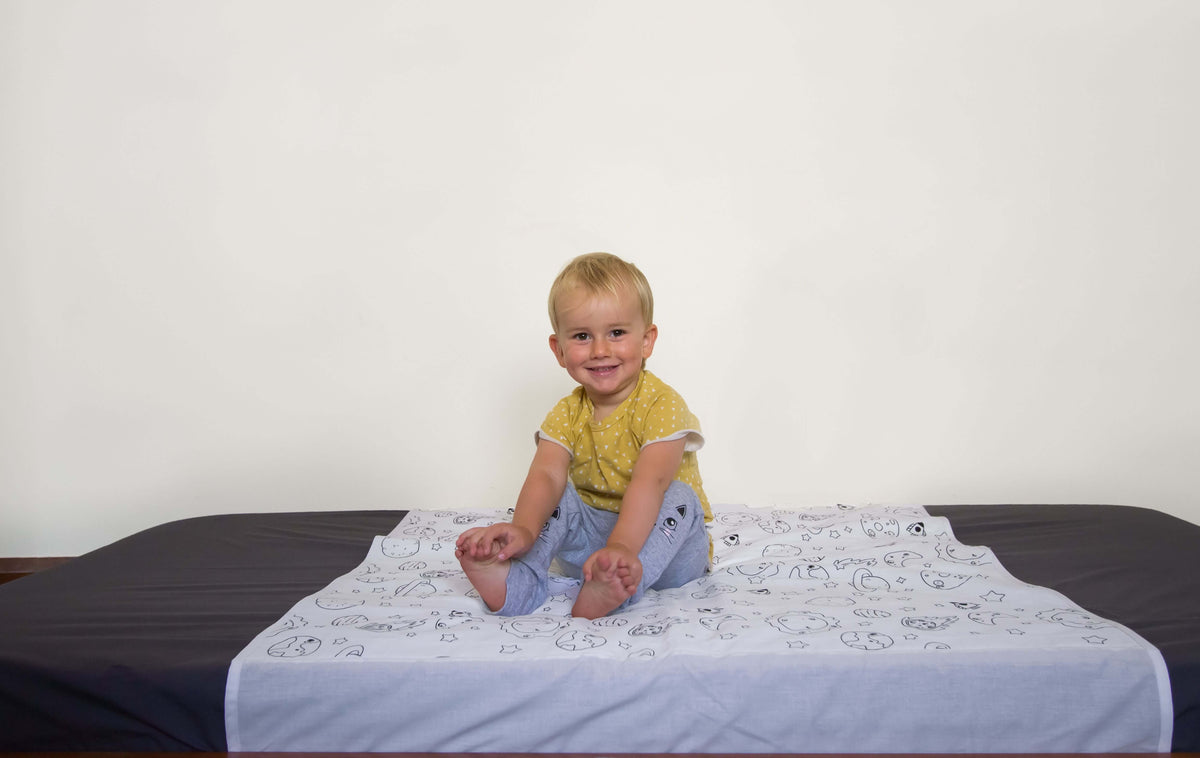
15 568
590 755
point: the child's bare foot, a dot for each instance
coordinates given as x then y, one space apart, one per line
604 590
489 577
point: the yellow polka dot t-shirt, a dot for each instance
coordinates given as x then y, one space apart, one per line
603 452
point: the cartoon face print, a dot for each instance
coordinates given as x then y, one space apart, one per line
940 580
337 603
654 629
841 563
463 519
610 621
871 613
957 553
714 623
371 577
416 588
928 623
802 622
899 558
775 527
834 601
735 519
916 528
878 527
712 590
988 618
865 581
421 532
756 571
781 551
289 624
400 547
867 640
809 571
1076 619
528 627
294 647
456 618
668 525
575 640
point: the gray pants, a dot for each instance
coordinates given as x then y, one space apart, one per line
675 553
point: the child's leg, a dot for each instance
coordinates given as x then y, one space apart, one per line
676 552
527 584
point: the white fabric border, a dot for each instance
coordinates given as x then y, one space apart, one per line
693 693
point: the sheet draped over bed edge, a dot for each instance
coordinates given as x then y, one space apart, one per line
819 630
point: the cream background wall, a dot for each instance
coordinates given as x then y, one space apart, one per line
265 256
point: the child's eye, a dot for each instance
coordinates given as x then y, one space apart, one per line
617 333
579 336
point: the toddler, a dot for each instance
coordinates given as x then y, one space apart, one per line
614 491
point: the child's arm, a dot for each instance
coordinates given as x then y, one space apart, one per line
655 469
543 488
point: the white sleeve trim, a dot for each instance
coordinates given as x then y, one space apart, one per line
540 435
695 440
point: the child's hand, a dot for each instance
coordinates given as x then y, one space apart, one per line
497 542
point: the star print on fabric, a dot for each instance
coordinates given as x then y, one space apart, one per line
993 597
1095 640
797 644
509 649
449 637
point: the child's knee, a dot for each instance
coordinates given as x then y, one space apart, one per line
682 504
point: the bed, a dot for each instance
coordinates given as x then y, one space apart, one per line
131 647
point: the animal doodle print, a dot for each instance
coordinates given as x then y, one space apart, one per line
864 581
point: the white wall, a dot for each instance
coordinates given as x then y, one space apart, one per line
262 256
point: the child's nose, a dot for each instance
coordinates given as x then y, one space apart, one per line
599 346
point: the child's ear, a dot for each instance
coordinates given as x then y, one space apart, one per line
554 349
648 340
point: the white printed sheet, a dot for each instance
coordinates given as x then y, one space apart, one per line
818 630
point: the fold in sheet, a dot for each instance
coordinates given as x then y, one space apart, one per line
834 629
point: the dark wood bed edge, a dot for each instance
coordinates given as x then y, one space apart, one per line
597 755
15 568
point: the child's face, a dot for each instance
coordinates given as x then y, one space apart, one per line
602 342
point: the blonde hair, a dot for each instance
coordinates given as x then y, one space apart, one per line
601 273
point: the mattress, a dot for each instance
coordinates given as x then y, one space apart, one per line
130 647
